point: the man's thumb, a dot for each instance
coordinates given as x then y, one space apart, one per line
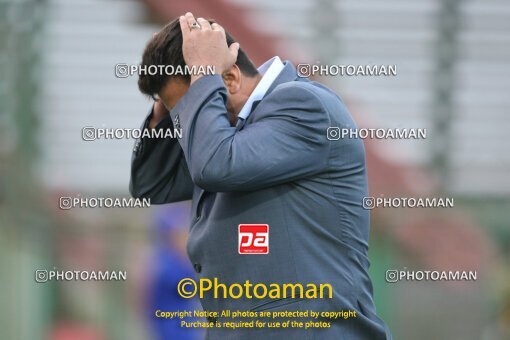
234 49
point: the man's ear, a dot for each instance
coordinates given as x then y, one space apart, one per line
232 79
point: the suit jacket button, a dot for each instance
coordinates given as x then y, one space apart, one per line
198 267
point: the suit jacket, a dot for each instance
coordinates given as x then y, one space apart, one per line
278 169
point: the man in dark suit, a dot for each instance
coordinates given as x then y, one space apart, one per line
254 150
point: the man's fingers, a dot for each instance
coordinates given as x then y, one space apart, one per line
191 20
207 45
217 27
184 26
204 24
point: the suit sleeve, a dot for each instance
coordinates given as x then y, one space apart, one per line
286 142
158 168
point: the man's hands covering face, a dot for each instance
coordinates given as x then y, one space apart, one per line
205 45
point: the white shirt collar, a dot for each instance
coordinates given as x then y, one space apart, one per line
270 71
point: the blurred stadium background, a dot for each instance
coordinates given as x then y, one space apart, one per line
57 76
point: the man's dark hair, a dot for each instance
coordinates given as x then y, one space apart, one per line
165 48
